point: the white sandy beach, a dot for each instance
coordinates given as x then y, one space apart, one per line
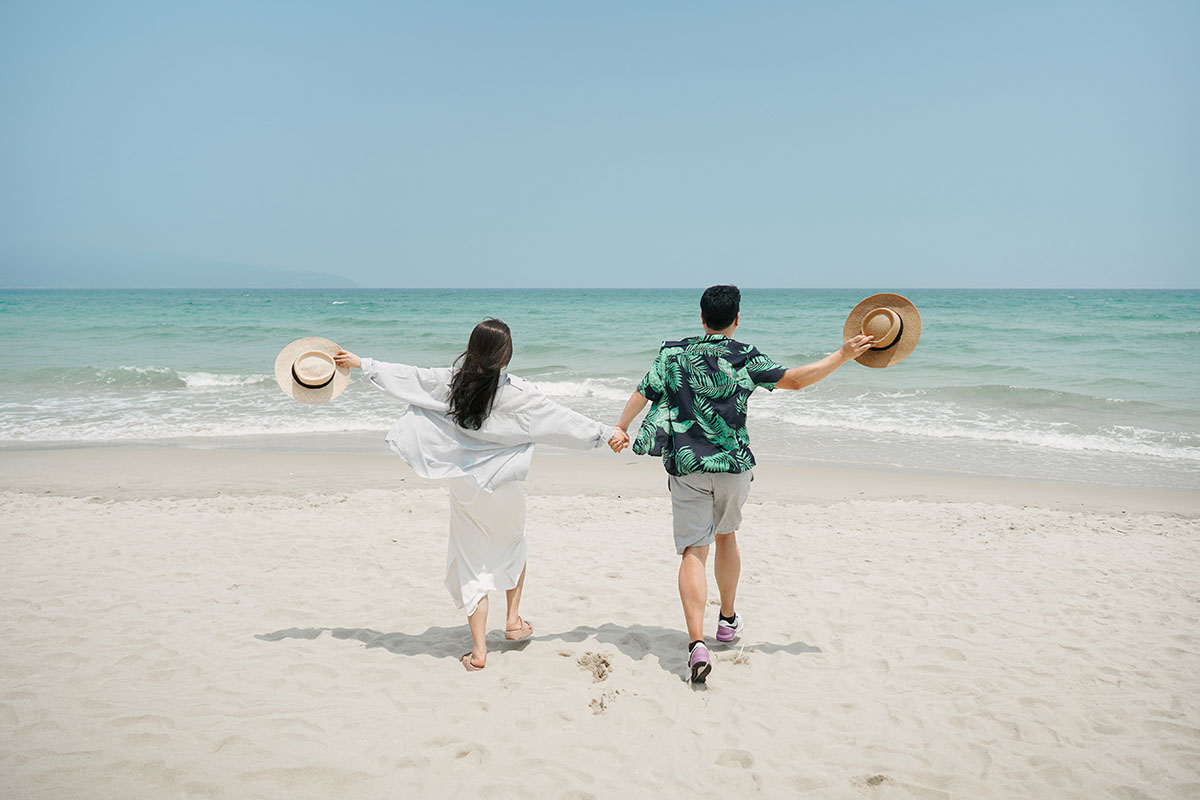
213 624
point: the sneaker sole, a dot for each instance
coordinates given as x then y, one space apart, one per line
700 672
732 636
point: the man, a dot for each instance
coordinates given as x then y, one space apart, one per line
700 388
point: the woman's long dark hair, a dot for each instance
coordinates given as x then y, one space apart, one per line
474 385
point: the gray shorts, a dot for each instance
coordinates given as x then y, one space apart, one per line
705 504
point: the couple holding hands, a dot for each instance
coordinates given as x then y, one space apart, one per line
475 426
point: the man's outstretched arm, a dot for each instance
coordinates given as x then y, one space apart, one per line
799 377
620 440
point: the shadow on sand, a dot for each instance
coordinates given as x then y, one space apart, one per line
635 641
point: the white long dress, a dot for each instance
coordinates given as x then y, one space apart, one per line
485 469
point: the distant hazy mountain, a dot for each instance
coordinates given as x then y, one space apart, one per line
42 271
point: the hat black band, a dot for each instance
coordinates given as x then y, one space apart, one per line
298 380
899 333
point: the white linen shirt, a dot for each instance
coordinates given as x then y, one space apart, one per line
500 451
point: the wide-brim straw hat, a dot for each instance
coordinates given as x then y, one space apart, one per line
893 321
305 370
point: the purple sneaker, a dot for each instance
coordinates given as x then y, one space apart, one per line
700 663
728 631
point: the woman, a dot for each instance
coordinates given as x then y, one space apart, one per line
475 425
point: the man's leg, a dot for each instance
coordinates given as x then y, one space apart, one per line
727 564
693 589
729 495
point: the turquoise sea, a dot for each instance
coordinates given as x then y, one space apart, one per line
1089 385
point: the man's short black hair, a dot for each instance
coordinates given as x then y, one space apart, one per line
719 306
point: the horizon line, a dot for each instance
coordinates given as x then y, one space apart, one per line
585 288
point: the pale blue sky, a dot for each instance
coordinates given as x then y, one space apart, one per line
608 144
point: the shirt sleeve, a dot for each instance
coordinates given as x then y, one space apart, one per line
554 424
652 387
762 370
417 386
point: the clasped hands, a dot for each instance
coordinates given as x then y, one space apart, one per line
619 440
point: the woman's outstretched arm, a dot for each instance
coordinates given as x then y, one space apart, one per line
551 423
417 386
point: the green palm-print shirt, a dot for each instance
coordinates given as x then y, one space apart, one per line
700 389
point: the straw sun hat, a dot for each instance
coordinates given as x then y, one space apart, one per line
893 321
306 372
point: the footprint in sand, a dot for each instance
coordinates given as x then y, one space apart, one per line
736 758
601 703
595 663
